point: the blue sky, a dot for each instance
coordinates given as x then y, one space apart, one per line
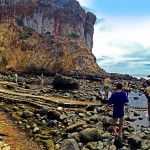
121 34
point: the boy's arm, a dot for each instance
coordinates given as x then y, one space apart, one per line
126 99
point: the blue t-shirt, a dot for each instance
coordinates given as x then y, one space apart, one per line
118 99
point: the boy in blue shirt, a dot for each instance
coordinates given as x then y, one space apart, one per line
118 99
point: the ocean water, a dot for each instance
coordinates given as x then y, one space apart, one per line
140 76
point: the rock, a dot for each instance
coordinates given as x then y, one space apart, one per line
90 108
100 145
106 135
135 142
92 145
43 111
136 113
69 144
27 87
49 144
94 118
52 123
130 118
75 126
10 86
36 130
63 117
100 109
89 134
136 98
74 135
53 114
27 114
107 121
62 82
54 132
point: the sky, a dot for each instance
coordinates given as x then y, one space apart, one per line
121 35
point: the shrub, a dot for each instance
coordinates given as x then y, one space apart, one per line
28 30
20 22
4 61
74 34
23 36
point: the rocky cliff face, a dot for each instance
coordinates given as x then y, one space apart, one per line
58 17
50 35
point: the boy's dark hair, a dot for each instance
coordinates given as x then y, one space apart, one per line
119 86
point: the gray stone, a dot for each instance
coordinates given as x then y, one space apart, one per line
69 144
89 134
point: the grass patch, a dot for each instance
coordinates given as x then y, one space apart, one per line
74 34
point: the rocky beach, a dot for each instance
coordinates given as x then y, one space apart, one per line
50 42
70 119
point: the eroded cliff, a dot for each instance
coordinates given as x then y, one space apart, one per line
47 35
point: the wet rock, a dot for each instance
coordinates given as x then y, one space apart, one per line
135 98
136 113
130 118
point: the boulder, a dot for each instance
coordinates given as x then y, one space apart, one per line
89 134
62 82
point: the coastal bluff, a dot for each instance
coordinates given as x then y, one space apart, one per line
49 36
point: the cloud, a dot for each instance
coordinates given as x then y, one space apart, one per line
121 42
99 21
133 57
85 3
106 28
87 9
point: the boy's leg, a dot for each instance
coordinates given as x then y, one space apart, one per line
120 126
106 94
149 109
114 126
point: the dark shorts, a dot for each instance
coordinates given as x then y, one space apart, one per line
126 90
148 97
